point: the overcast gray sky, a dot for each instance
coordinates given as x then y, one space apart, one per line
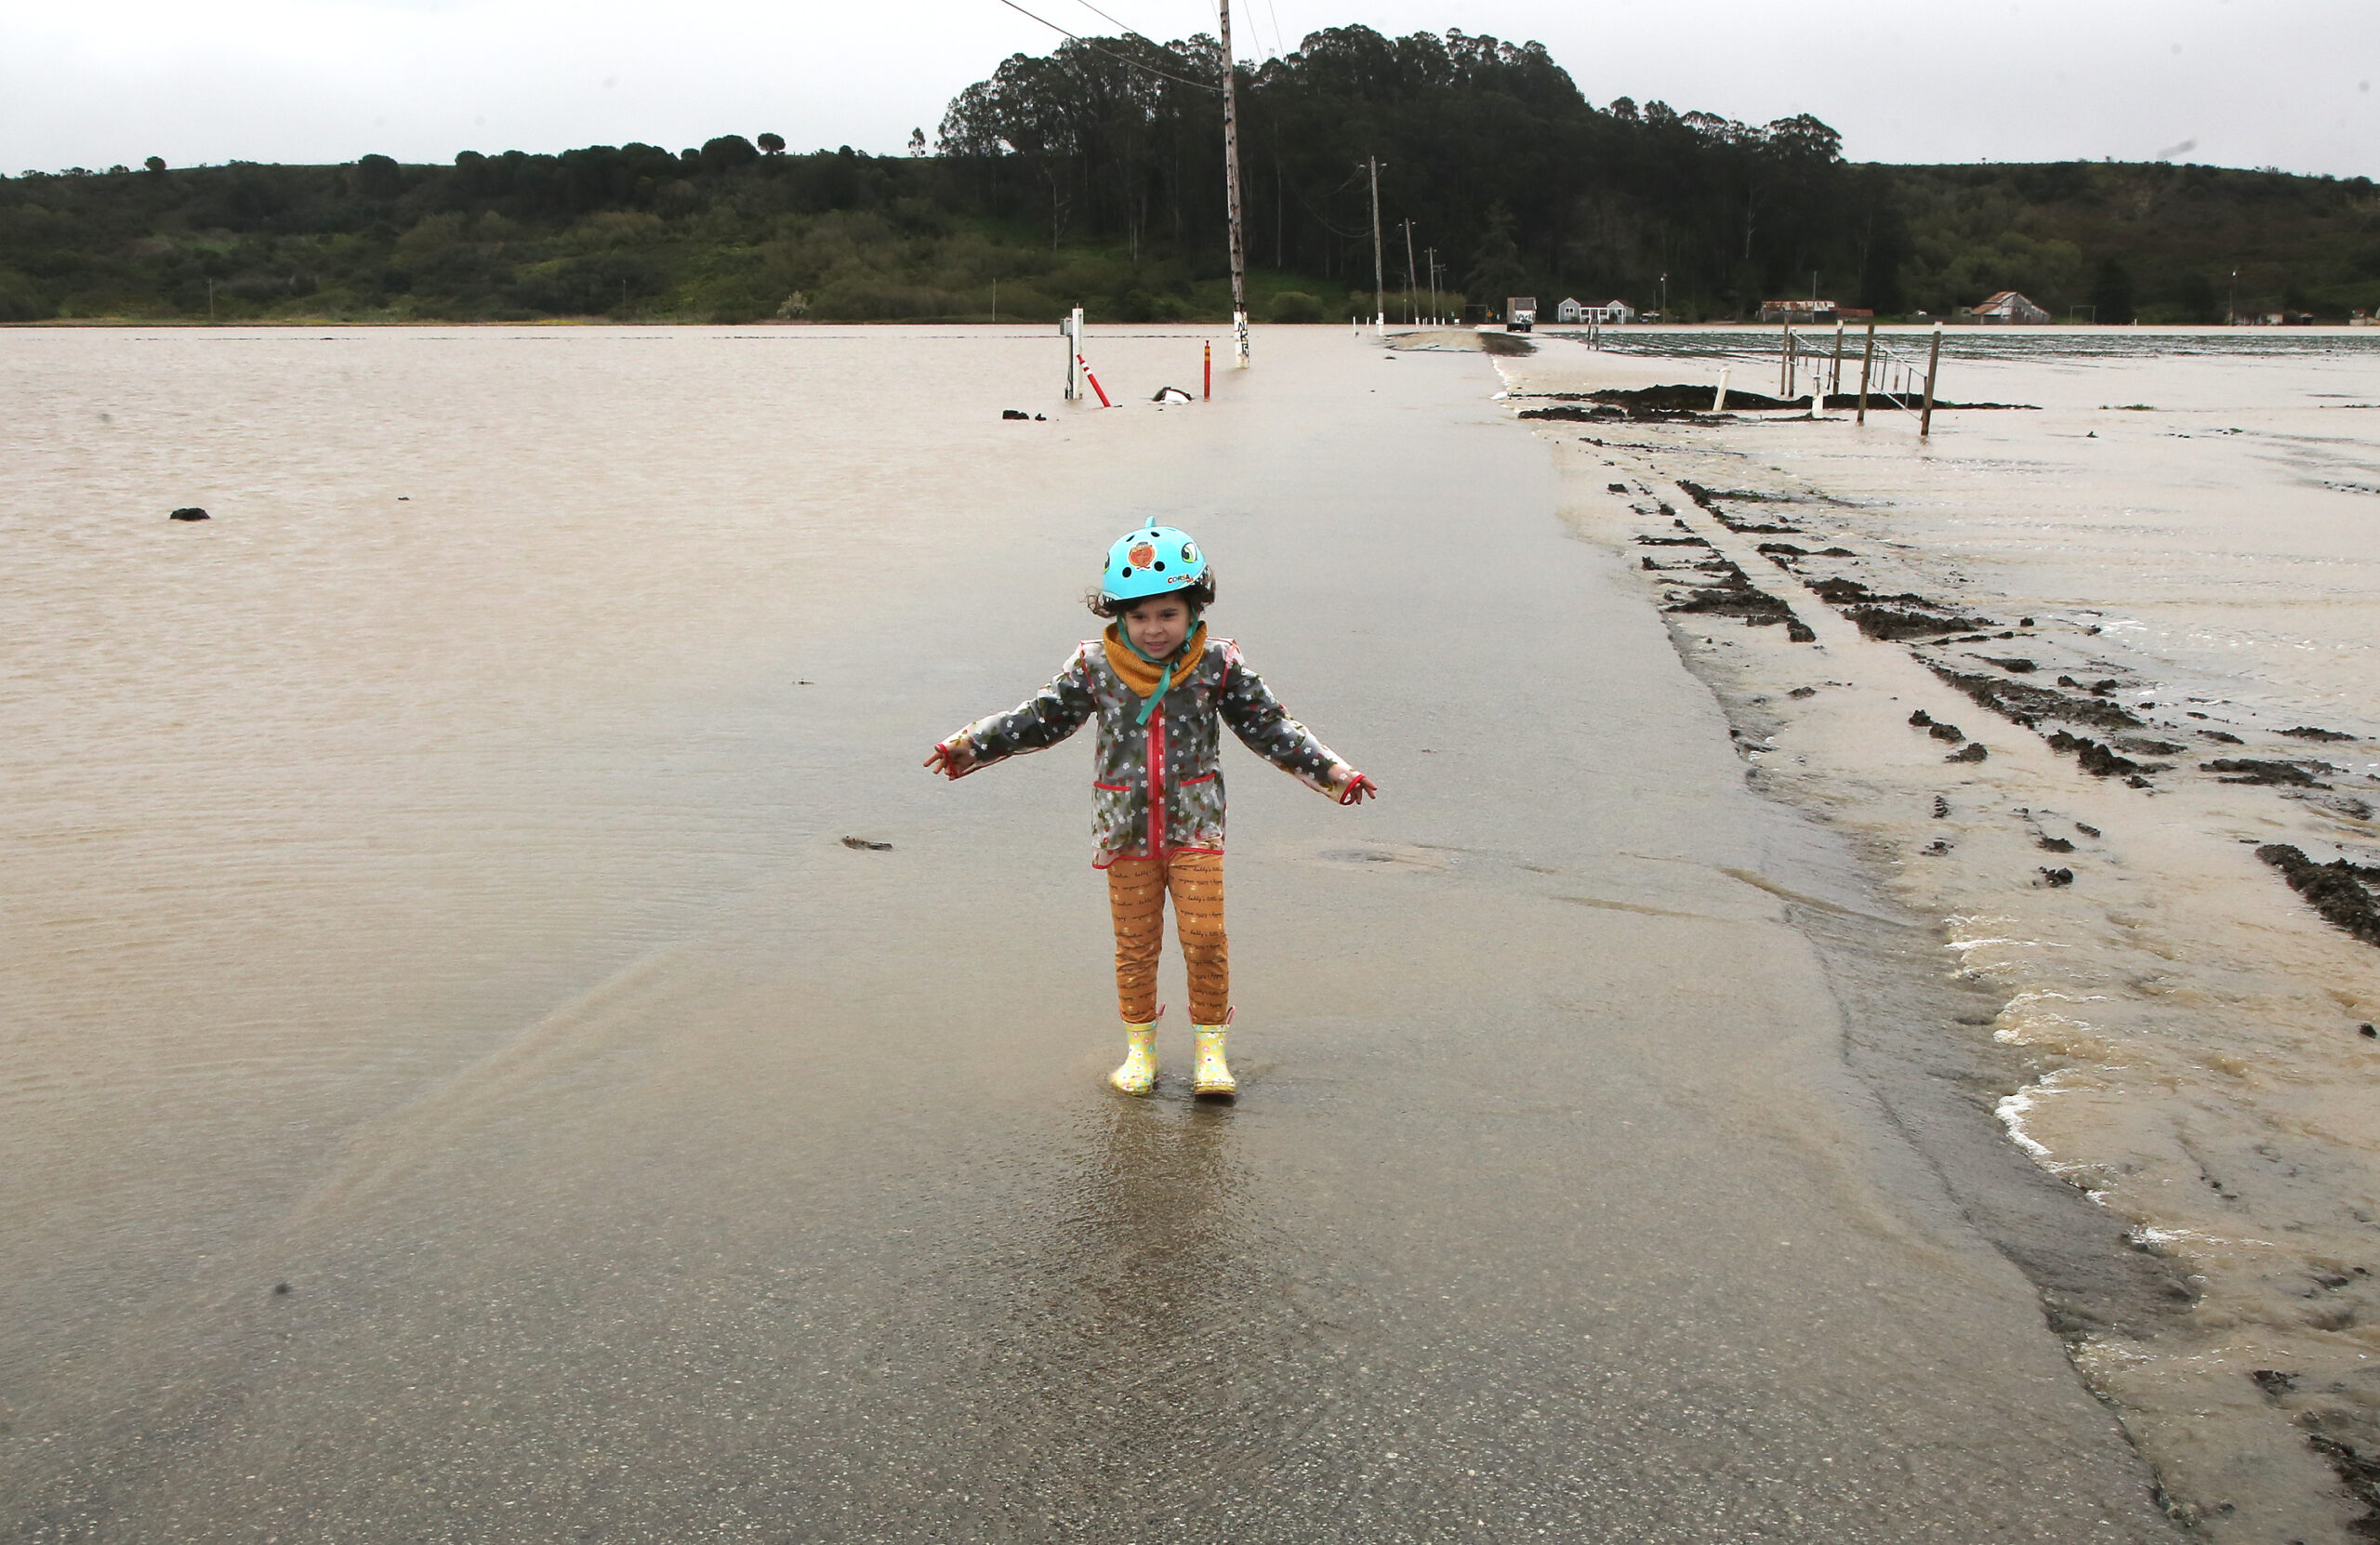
2240 83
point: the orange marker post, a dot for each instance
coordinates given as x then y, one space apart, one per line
1208 389
1094 382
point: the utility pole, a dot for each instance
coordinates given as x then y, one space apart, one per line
2230 303
1380 289
1665 300
1411 313
1231 190
1431 254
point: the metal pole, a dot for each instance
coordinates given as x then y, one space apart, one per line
1933 360
1784 359
1410 313
1867 363
1380 292
1432 253
1231 192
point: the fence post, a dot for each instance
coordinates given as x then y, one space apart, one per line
1834 388
1925 424
1867 363
1785 364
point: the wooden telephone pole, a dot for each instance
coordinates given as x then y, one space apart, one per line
1412 307
1380 289
1231 190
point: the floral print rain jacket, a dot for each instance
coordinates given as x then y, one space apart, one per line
1157 789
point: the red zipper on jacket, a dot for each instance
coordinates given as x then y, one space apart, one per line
1157 785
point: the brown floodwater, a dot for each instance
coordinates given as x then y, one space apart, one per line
459 1084
2180 542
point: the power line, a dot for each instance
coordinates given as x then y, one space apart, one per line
1258 33
1110 53
1276 46
1131 32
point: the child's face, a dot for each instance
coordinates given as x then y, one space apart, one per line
1157 625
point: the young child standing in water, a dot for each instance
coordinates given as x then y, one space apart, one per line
1158 687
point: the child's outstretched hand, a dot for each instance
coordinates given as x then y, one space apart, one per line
1355 789
951 759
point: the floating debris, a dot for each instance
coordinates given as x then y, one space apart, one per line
2342 893
1737 596
2248 769
2099 760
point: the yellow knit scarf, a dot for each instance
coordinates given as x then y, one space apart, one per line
1141 675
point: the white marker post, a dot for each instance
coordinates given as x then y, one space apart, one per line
1071 330
1719 402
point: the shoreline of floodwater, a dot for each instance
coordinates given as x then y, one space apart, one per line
2071 786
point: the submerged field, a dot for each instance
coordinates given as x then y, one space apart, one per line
2092 685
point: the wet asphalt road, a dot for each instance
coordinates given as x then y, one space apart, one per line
1548 1211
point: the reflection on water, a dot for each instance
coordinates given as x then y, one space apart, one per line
1156 1251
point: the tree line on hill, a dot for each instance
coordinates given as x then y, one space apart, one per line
1093 175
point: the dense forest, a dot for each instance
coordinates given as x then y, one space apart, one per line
1093 175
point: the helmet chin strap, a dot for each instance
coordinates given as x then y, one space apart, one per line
1165 680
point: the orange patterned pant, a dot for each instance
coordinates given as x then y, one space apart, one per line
1136 889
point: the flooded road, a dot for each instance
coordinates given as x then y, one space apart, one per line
464 939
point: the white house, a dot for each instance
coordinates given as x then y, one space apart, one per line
1610 313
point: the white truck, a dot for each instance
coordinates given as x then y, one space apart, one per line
1520 314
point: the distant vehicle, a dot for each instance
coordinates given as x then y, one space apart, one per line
1520 314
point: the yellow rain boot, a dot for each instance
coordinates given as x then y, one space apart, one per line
1138 1075
1210 1076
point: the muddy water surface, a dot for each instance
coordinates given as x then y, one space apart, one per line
428 896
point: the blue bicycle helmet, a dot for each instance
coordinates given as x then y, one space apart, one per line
1152 561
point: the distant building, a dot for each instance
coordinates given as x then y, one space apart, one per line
1799 311
2007 307
1855 313
1611 313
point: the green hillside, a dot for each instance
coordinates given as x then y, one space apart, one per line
1085 177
